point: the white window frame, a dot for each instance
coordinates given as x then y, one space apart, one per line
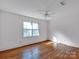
31 29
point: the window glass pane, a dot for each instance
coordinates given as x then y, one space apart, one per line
27 32
27 25
35 25
35 32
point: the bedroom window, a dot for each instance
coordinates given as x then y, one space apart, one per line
30 29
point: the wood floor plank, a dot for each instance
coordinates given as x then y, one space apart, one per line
44 50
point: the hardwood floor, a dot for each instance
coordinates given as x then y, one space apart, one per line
44 50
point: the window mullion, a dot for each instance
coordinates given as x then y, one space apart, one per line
32 28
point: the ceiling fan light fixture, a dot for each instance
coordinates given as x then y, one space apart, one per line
62 3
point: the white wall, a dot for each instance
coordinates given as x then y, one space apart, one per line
11 31
0 30
65 28
64 25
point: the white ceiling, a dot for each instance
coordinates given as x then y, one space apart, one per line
31 7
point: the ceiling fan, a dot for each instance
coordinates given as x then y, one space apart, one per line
48 13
